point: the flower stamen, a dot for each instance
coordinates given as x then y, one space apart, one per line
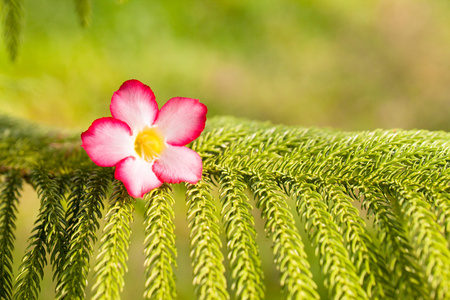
149 144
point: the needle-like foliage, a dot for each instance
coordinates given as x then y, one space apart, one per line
112 258
85 204
374 207
48 236
12 15
160 251
12 12
207 259
9 197
290 258
239 226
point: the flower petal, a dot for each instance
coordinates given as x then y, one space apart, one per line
137 176
108 141
135 104
178 164
181 120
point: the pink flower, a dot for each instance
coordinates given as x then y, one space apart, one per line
145 144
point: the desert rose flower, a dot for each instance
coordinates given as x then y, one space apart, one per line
145 144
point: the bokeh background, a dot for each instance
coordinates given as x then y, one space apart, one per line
347 64
354 65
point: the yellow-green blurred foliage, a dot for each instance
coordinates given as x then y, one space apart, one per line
349 64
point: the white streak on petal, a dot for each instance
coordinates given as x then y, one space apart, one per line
137 176
108 141
181 120
134 103
178 164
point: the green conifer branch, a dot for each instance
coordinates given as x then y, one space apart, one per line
112 257
406 276
401 177
20 145
425 236
243 252
206 257
49 236
12 12
290 257
341 276
88 190
440 203
31 271
10 190
370 267
160 251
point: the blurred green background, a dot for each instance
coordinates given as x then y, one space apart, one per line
346 64
350 64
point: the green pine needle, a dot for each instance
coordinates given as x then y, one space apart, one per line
207 259
358 241
160 251
12 12
243 252
112 258
425 236
88 188
340 273
48 235
375 207
405 274
290 257
9 197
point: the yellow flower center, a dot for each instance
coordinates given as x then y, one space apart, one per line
149 144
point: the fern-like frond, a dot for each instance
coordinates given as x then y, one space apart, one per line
12 12
23 146
31 270
239 225
405 274
208 270
112 257
160 251
290 257
49 236
341 276
88 189
425 236
440 203
9 197
370 266
341 183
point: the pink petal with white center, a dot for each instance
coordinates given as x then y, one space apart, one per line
137 176
181 120
178 164
135 104
108 141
